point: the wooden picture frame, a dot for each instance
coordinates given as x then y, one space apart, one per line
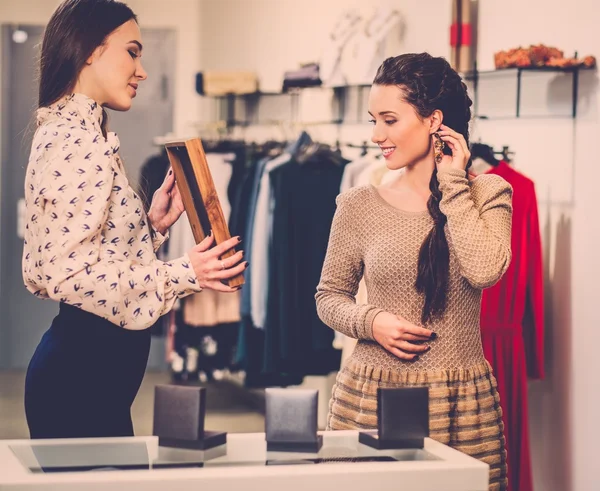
199 195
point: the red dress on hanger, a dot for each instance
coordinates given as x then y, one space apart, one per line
512 325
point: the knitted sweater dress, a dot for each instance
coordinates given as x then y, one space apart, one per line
372 239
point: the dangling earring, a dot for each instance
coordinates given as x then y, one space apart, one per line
438 148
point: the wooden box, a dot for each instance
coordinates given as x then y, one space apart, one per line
199 195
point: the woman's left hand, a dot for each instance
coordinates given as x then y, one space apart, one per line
460 150
167 205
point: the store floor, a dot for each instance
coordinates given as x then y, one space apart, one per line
228 409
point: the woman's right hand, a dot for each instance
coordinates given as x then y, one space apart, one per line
397 336
210 270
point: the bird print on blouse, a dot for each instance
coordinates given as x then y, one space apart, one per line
88 241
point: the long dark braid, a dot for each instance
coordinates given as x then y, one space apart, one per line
428 84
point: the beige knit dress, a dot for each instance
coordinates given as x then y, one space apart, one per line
371 238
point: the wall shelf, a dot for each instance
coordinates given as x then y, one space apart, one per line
230 106
477 76
348 102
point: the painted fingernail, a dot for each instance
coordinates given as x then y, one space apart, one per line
246 264
239 239
210 235
433 335
171 172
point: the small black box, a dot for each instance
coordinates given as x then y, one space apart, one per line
403 419
291 420
179 418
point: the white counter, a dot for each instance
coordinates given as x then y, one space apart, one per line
243 464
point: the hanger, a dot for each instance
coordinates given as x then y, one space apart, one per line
484 152
506 153
320 153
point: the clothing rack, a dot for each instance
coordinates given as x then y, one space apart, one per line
365 147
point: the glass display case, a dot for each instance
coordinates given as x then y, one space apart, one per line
243 462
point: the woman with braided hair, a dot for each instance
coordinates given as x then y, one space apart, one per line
427 244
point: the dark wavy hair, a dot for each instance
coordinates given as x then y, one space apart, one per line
75 30
428 83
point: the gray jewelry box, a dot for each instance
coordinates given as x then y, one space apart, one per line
291 420
179 414
402 419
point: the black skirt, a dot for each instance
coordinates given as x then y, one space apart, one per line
84 376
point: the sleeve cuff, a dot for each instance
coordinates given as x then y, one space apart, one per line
182 276
452 183
368 325
448 175
158 239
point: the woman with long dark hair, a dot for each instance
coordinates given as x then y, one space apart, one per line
89 243
427 244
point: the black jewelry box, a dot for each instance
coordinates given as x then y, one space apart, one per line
402 419
179 414
291 420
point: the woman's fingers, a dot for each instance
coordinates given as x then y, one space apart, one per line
233 260
457 136
401 354
220 287
225 274
411 347
223 247
169 180
205 244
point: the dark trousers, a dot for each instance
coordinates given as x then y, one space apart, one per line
84 376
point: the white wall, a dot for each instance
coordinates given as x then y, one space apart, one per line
560 157
271 36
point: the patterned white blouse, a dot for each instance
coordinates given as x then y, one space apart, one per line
88 241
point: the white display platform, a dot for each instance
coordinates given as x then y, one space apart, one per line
243 464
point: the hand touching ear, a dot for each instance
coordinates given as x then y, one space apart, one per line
460 150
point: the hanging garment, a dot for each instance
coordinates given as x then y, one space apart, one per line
250 341
345 28
296 339
366 50
240 202
352 171
512 325
261 235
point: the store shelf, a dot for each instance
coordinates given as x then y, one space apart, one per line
517 74
508 71
348 104
231 105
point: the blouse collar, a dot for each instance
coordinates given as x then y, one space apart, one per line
84 107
